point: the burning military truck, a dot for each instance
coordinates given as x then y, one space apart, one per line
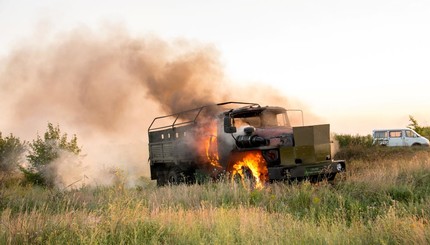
238 139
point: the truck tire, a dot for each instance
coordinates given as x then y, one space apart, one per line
331 177
161 182
248 181
161 178
175 177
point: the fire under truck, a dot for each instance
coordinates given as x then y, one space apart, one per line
238 139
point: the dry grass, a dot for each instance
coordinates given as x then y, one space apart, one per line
383 201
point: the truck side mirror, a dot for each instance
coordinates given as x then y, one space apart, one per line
228 127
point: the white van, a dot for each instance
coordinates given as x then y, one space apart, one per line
398 137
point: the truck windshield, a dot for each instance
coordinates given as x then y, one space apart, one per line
263 120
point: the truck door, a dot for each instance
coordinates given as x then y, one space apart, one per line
395 138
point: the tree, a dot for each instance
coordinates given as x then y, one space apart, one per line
43 151
11 151
424 131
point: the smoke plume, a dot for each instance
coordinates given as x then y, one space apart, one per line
106 88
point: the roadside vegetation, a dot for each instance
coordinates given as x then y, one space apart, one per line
423 131
11 155
382 198
43 151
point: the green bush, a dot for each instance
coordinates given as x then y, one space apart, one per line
376 153
423 131
11 150
347 140
43 151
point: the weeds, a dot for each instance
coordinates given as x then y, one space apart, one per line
383 200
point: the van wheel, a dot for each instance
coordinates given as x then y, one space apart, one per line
416 145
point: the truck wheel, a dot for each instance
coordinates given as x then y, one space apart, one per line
175 177
161 182
331 177
248 180
161 178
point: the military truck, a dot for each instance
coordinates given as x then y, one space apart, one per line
238 139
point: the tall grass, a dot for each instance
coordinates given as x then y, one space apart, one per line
385 200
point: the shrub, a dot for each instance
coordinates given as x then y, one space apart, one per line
423 131
11 150
44 151
376 153
347 140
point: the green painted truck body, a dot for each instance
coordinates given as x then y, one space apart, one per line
289 152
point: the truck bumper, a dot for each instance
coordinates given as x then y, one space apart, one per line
323 169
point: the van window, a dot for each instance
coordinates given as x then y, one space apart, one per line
410 134
381 134
395 134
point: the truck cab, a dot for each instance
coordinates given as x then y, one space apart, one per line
288 152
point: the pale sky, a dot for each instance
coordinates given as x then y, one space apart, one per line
358 65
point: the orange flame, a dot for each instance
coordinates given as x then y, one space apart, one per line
254 161
212 151
210 144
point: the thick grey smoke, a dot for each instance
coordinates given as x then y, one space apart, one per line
106 88
99 80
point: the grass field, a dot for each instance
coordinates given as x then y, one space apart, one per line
383 198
